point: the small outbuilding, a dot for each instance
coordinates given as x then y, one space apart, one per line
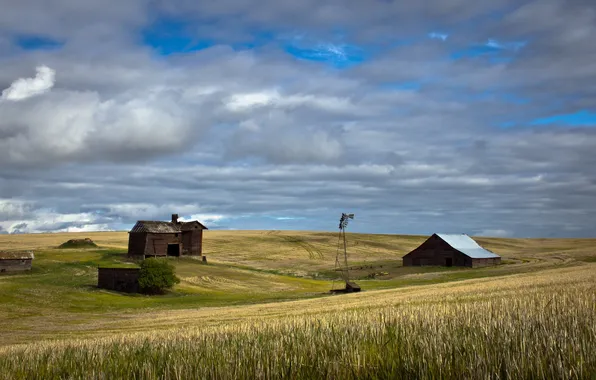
159 239
119 279
15 261
451 250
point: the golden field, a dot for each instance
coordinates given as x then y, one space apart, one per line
261 309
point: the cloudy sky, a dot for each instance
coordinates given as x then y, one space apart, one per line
430 116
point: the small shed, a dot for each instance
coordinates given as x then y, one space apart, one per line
451 250
119 279
150 238
15 261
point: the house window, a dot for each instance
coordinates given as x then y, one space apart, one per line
175 235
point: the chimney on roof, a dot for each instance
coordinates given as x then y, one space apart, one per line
174 218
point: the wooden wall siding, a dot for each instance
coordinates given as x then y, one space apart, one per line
187 243
192 242
197 243
15 265
436 256
150 239
118 279
136 244
477 263
157 244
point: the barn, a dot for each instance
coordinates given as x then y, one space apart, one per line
451 250
119 279
15 261
160 239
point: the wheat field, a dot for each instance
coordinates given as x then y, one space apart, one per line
522 327
532 317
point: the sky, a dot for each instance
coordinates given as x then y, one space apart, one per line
451 116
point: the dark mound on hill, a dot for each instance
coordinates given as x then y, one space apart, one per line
78 243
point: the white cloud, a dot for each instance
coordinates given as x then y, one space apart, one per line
72 125
21 216
247 101
87 228
438 36
207 218
44 220
24 88
13 209
240 102
148 211
507 45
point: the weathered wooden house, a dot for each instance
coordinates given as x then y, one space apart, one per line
174 238
119 279
15 261
451 250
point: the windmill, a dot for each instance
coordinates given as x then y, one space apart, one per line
341 264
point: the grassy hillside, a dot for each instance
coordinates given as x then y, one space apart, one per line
249 273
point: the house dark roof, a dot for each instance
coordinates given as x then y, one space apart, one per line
159 227
16 255
467 246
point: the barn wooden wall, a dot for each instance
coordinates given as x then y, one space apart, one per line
436 256
136 243
118 279
157 244
15 265
435 251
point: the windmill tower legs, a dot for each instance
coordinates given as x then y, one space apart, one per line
343 267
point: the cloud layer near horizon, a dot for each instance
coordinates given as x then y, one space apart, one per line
443 116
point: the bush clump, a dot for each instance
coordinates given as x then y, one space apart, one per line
78 243
156 276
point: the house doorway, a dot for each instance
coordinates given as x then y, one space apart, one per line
174 250
448 261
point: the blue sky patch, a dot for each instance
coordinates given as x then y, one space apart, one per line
258 39
490 95
402 86
583 118
173 36
339 56
31 42
169 36
507 124
476 51
496 51
514 99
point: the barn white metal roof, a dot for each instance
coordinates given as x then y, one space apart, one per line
467 246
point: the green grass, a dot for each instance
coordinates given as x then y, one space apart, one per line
66 281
